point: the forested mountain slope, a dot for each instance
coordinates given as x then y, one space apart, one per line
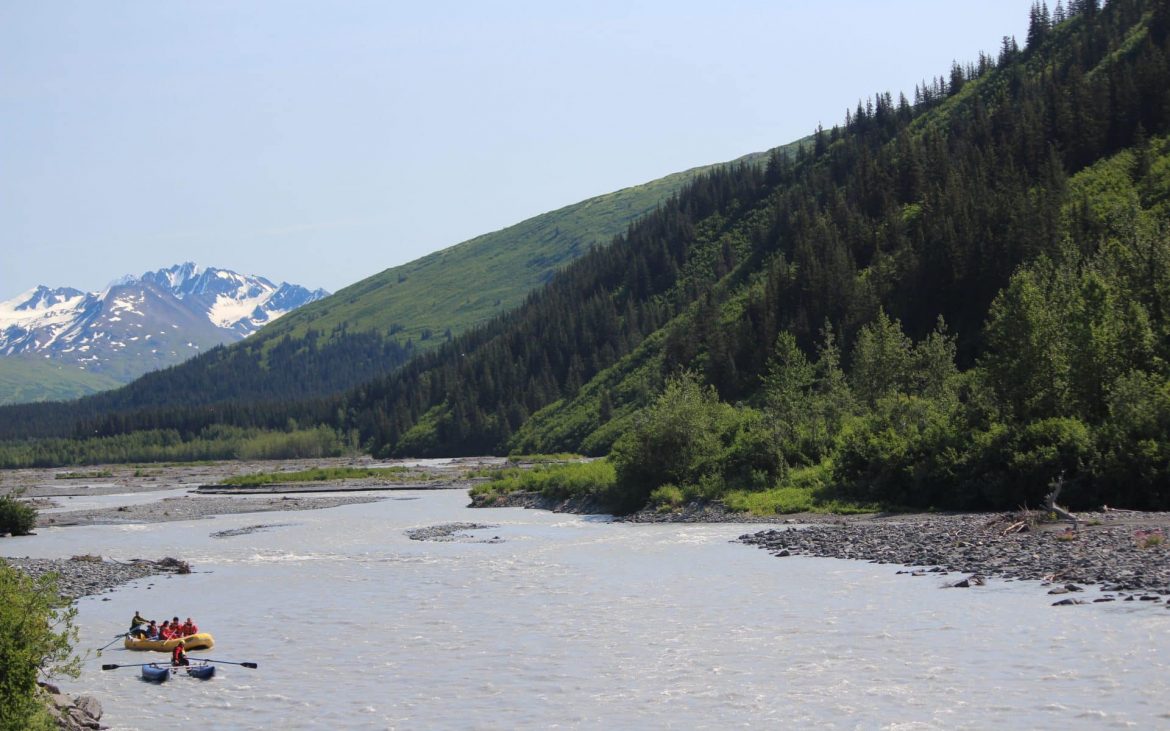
971 288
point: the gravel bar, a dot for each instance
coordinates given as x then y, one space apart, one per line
87 575
1118 551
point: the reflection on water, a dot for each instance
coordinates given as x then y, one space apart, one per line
579 622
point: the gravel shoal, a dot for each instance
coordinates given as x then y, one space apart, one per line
84 576
190 507
1118 551
451 532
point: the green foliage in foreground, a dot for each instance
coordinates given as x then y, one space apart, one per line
16 517
593 479
169 445
318 474
36 638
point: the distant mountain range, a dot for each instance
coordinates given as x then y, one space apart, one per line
136 325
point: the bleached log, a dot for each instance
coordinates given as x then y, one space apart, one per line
1050 503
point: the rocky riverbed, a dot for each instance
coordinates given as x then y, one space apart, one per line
1121 552
85 575
190 507
448 532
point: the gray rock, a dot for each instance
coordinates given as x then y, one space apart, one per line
90 705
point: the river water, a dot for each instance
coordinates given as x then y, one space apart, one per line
578 622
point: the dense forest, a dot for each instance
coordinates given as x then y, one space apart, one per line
951 300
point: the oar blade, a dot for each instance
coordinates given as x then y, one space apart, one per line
250 665
110 667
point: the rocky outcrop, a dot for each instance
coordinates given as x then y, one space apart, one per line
72 713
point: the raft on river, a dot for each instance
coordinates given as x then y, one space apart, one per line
199 641
159 673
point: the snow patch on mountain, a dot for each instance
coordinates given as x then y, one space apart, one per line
190 307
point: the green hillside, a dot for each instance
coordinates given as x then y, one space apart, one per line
375 325
469 283
26 379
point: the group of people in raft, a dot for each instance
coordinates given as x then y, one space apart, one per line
143 628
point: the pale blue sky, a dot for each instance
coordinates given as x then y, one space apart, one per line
320 143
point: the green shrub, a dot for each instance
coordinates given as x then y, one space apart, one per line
16 517
771 502
667 496
575 479
679 440
36 638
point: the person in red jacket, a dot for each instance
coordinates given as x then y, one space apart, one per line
167 631
189 628
179 655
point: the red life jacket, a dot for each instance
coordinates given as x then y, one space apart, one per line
189 629
177 655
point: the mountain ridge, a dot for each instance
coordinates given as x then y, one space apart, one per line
142 323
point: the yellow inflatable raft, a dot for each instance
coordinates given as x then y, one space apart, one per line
200 641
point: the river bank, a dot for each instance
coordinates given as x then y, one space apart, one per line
1125 553
1117 550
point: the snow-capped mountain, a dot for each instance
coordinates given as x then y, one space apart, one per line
140 324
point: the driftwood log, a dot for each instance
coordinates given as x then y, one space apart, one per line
1050 503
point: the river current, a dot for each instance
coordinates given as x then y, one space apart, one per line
557 621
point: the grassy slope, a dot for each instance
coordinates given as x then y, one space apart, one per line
466 284
27 379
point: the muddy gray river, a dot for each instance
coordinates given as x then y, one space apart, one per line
555 621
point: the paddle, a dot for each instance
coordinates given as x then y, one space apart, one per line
251 665
116 638
139 665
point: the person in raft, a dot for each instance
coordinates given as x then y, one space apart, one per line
138 623
166 631
189 628
179 655
152 631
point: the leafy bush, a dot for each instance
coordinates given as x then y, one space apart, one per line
36 638
578 479
16 517
771 502
680 439
667 496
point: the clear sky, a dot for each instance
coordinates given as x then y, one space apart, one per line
322 142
